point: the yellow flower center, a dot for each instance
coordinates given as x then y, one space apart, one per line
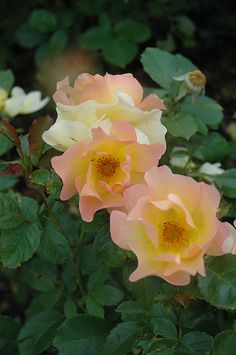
106 166
173 235
197 78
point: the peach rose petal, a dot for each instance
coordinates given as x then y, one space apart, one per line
167 231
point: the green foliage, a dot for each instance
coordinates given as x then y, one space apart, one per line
6 79
219 287
225 343
81 334
38 332
213 147
71 293
226 183
163 66
121 338
43 21
9 330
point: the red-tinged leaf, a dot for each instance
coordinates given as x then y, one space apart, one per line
13 170
8 131
37 128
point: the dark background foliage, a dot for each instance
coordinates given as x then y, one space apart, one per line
40 41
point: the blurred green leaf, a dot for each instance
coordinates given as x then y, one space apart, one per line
120 51
133 30
6 79
58 42
96 38
28 37
43 20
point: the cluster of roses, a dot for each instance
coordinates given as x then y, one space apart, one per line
112 142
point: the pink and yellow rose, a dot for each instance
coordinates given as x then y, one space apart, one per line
98 101
170 223
100 170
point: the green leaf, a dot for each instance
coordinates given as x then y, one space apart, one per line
38 332
181 126
5 144
19 244
10 216
107 295
43 21
203 109
93 307
147 290
41 53
6 79
9 330
70 309
209 148
219 285
105 250
164 327
196 343
121 339
160 65
163 66
28 37
53 246
119 51
7 181
227 182
133 30
96 38
29 208
225 343
160 311
40 177
98 277
58 41
81 335
131 311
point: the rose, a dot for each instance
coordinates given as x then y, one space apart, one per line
97 101
169 223
100 170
